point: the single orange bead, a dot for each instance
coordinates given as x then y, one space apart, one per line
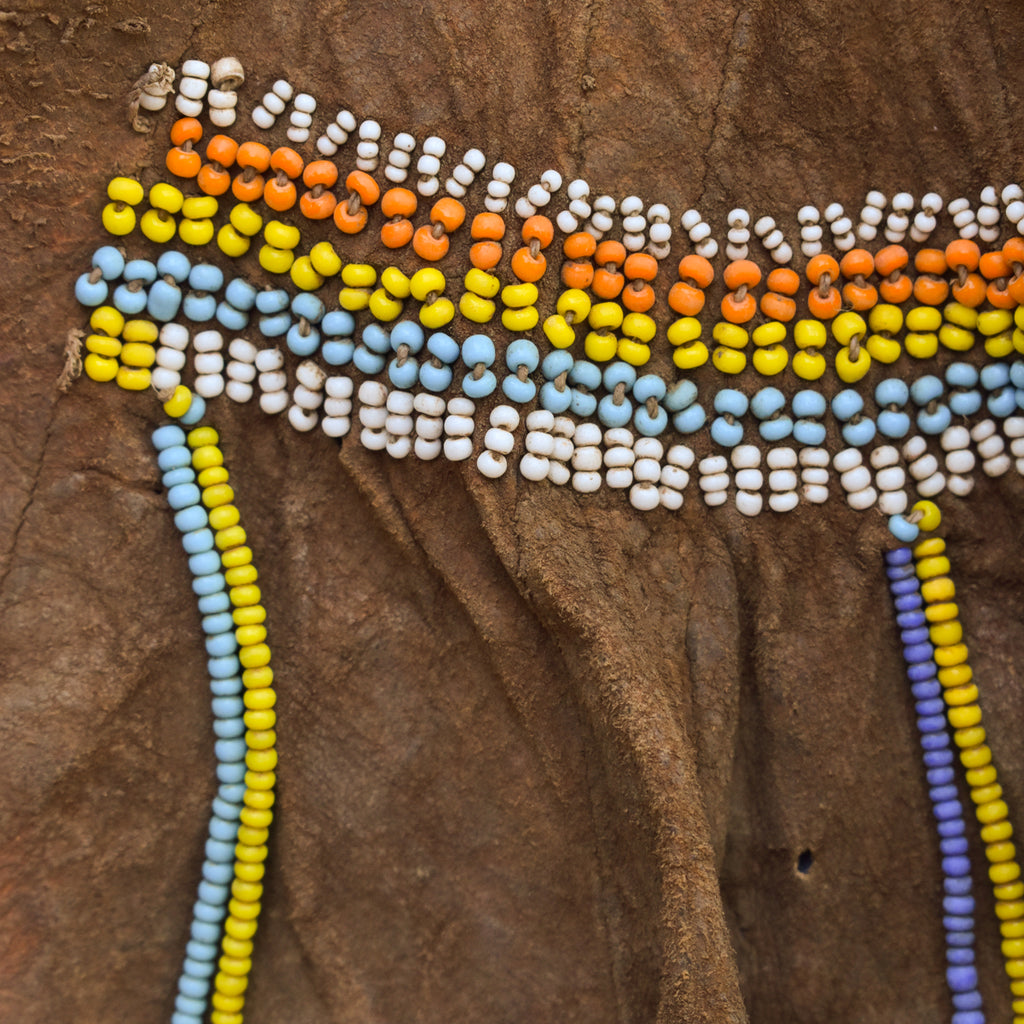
247 189
396 233
778 307
963 252
890 259
579 246
930 261
610 252
860 297
538 228
528 267
487 227
213 179
222 150
784 280
349 223
638 296
970 291
993 265
317 205
685 299
739 310
607 284
998 295
820 265
741 272
429 246
824 307
930 291
895 291
696 269
398 202
485 255
280 196
577 274
640 266
186 129
1016 289
856 263
449 212
254 155
320 172
1013 253
287 161
183 163
364 186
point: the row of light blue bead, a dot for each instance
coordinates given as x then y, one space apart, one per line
958 903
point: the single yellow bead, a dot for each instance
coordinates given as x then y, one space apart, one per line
955 654
688 357
245 220
921 346
200 437
259 781
226 515
325 259
437 314
261 761
241 575
231 537
259 720
964 717
221 1017
258 678
956 675
303 276
200 207
941 588
233 965
639 327
1011 949
247 834
1017 988
957 339
258 817
260 699
883 349
178 404
252 615
945 634
1013 929
141 331
133 378
885 318
107 320
103 345
944 611
924 319
972 737
999 874
242 909
354 299
100 368
358 275
247 892
516 296
384 307
166 197
809 334
254 656
262 799
929 547
809 365
125 190
281 236
250 872
986 794
976 758
205 455
479 282
998 832
600 347
847 326
521 320
771 333
396 283
1000 852
219 494
225 1003
999 346
684 330
249 635
730 335
931 566
251 854
995 321
770 361
1017 1006
227 985
212 475
1011 890
960 315
1018 338
235 557
995 810
729 360
158 226
196 232
232 242
850 371
276 261
238 947
476 309
425 281
558 332
960 695
633 352
118 218
605 316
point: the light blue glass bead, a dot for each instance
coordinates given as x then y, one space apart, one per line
648 425
582 403
200 309
926 389
516 390
174 456
197 988
222 622
110 262
936 421
407 332
522 352
650 385
215 601
776 429
228 728
767 402
809 403
204 562
224 830
731 401
403 377
476 349
557 362
205 277
479 387
183 495
691 419
891 391
376 339
230 686
202 540
186 1005
859 432
618 373
438 378
91 293
232 794
222 644
847 404
612 415
338 353
196 411
995 376
204 931
164 301
193 517
585 374
175 265
903 531
203 586
961 375
215 895
1017 373
303 344
272 300
965 403
554 400
309 306
367 362
809 432
188 1018
275 324
232 318
226 707
228 751
195 969
204 912
444 347
339 323
727 434
240 294
223 667
128 302
173 477
1002 403
681 395
202 950
219 874
234 772
140 270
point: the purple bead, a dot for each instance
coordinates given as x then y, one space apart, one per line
946 810
934 740
955 867
967 1000
922 672
959 938
914 637
932 723
899 556
905 602
900 587
928 689
941 776
952 846
935 758
899 572
933 706
958 923
942 794
951 827
961 979
967 1017
917 654
958 904
911 620
960 956
957 886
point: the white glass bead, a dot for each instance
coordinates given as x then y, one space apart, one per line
833 212
588 434
427 449
433 146
764 226
660 233
428 165
503 172
243 350
367 149
960 462
816 494
954 437
461 406
876 199
782 480
428 187
737 218
924 467
209 362
534 467
558 473
499 440
587 459
893 503
208 341
619 477
1011 192
961 486
586 483
373 440
369 131
274 402
540 419
372 392
618 436
273 380
262 118
997 465
714 499
170 358
862 499
931 486
566 222
429 427
648 448
336 134
783 501
808 215
749 479
337 407
579 208
670 498
219 100
458 426
524 208
781 458
845 242
811 233
773 239
619 456
866 233
164 379
373 416
745 456
658 212
1015 211
335 426
152 103
914 447
475 160
644 497
563 449
634 225
282 89
538 195
990 447
238 391
1013 426
602 221
884 455
988 234
398 426
842 226
492 464
738 236
675 477
647 470
191 108
814 475
714 482
712 464
708 248
810 249
498 189
306 398
903 202
892 478
209 385
963 218
958 205
689 220
847 459
988 216
346 120
817 457
871 215
338 387
299 119
577 189
749 503
924 223
310 375
782 254
700 232
453 188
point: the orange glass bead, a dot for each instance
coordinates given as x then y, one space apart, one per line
429 246
349 223
890 259
896 288
579 246
186 129
784 281
640 266
860 297
320 172
610 252
363 186
528 266
739 309
994 265
998 295
286 161
487 227
741 272
538 229
778 307
697 270
968 290
448 212
317 203
248 186
685 299
963 252
398 202
856 262
280 195
607 284
930 261
1015 288
576 274
824 307
183 162
1013 253
855 266
396 233
930 290
820 265
486 254
254 155
638 296
213 179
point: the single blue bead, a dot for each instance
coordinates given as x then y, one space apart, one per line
582 404
964 938
232 794
196 411
775 430
110 262
681 395
995 376
938 757
956 866
925 670
480 387
967 1017
931 706
934 422
728 435
961 375
377 339
914 635
193 517
941 776
174 456
476 349
230 750
204 931
1017 373
128 302
174 264
219 874
183 495
926 389
197 987
961 979
554 400
690 419
899 556
367 362
164 301
808 403
809 433
858 434
183 475
200 309
403 377
213 894
234 772
240 294
407 332
188 1018
650 385
204 912
767 402
557 362
1019 395
903 587
91 293
933 723
959 904
893 424
303 344
309 306
224 830
953 826
891 391
438 378
901 572
203 586
222 667
443 347
618 373
942 794
846 404
965 403
221 645
196 969
201 950
205 277
339 353
229 686
731 401
966 1000
228 728
339 323
914 617
140 270
222 622
927 691
272 300
275 325
516 390
585 374
648 425
935 740
1002 403
523 352
226 707
231 318
203 563
612 415
197 541
187 1005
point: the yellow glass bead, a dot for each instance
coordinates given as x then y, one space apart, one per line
395 282
605 316
200 207
353 299
771 333
262 799
633 352
245 220
261 760
1018 338
476 309
133 378
930 565
921 346
957 339
303 276
683 330
232 242
253 615
235 557
257 817
384 307
977 757
281 235
729 360
688 357
730 335
1013 929
639 327
883 349
576 302
220 1017
1000 852
600 347
260 781
125 190
325 259
232 965
276 261
247 835
986 794
1018 317
358 275
225 1003
178 404
437 314
956 675
257 678
229 538
924 319
118 218
961 315
249 635
241 575
1017 988
425 281
939 589
849 370
847 326
158 226
955 654
254 656
943 611
219 494
518 321
107 320
226 515
226 985
259 720
200 437
999 346
196 232
809 365
999 874
141 330
945 634
251 854
1017 1006
238 947
100 368
885 318
809 334
558 332
103 345
1011 949
995 321
259 699
1010 910
994 811
770 361
516 296
206 455
964 717
247 871
166 197
212 475
960 695
479 282
971 737
1010 891
997 833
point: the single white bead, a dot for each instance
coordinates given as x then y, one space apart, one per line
814 475
931 202
475 161
193 108
847 459
373 416
738 236
498 189
735 252
458 449
428 165
689 220
369 131
274 402
396 175
708 248
903 202
268 360
540 443
373 393
648 448
714 482
1013 426
715 499
1011 192
660 233
619 477
577 189
782 480
871 215
996 466
700 232
658 212
540 419
644 497
337 407
842 226
816 494
811 233
538 196
602 221
924 467
566 222
712 465
588 434
925 223
427 450
914 447
991 447
963 218
282 89
433 146
171 358
373 440
429 428
749 479
238 391
524 208
675 477
551 181
299 119
893 503
961 486
164 379
336 134
262 118
499 440
619 457
988 234
209 362
297 135
454 189
960 462
817 457
458 426
647 470
533 467
428 187
579 208
587 459
783 253
866 233
773 239
464 176
306 398
338 387
335 426
398 426
492 464
634 224
746 456
738 218
503 172
586 483
631 205
783 501
192 88
558 473
884 455
670 498
862 499
808 215
749 503
833 212
461 406
221 117
810 249
781 458
367 149
876 199
209 385
563 449
892 478
208 341
954 437
195 69
845 242
931 486
764 226
152 103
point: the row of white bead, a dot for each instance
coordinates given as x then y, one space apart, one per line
226 75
